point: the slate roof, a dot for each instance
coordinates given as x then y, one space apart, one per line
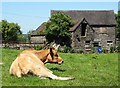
76 25
40 29
94 17
72 29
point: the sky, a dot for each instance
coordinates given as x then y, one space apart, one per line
29 15
119 6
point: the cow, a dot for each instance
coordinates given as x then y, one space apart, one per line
34 61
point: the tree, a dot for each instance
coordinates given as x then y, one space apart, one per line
57 29
23 38
29 35
9 31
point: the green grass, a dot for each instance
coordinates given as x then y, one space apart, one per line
88 70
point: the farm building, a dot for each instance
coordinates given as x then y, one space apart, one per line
37 36
93 28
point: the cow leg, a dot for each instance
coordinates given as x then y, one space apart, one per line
18 72
52 76
15 69
24 68
25 71
44 72
42 77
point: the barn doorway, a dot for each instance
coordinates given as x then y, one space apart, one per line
83 29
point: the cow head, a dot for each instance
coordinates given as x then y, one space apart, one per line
53 57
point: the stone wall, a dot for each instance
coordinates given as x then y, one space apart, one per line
79 42
105 36
38 39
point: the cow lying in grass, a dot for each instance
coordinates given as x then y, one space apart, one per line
33 61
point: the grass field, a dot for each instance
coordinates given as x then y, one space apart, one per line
88 70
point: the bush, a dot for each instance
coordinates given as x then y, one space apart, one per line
38 47
66 49
81 51
72 51
59 50
112 49
105 50
93 50
118 49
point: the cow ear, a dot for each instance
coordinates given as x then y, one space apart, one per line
52 48
51 52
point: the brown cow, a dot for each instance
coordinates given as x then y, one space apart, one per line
33 61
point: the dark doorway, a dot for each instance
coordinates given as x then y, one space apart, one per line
83 29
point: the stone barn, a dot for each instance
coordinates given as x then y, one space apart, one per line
82 36
93 28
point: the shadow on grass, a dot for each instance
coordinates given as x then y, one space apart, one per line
57 69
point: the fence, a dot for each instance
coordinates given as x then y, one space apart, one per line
21 45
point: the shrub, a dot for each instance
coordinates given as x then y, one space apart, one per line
38 47
105 50
93 50
112 49
72 50
81 51
59 50
66 49
118 49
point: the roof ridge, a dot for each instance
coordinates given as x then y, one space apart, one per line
84 10
94 17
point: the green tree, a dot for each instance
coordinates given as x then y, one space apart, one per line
57 29
23 38
10 31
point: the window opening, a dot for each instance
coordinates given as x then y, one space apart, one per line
83 29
